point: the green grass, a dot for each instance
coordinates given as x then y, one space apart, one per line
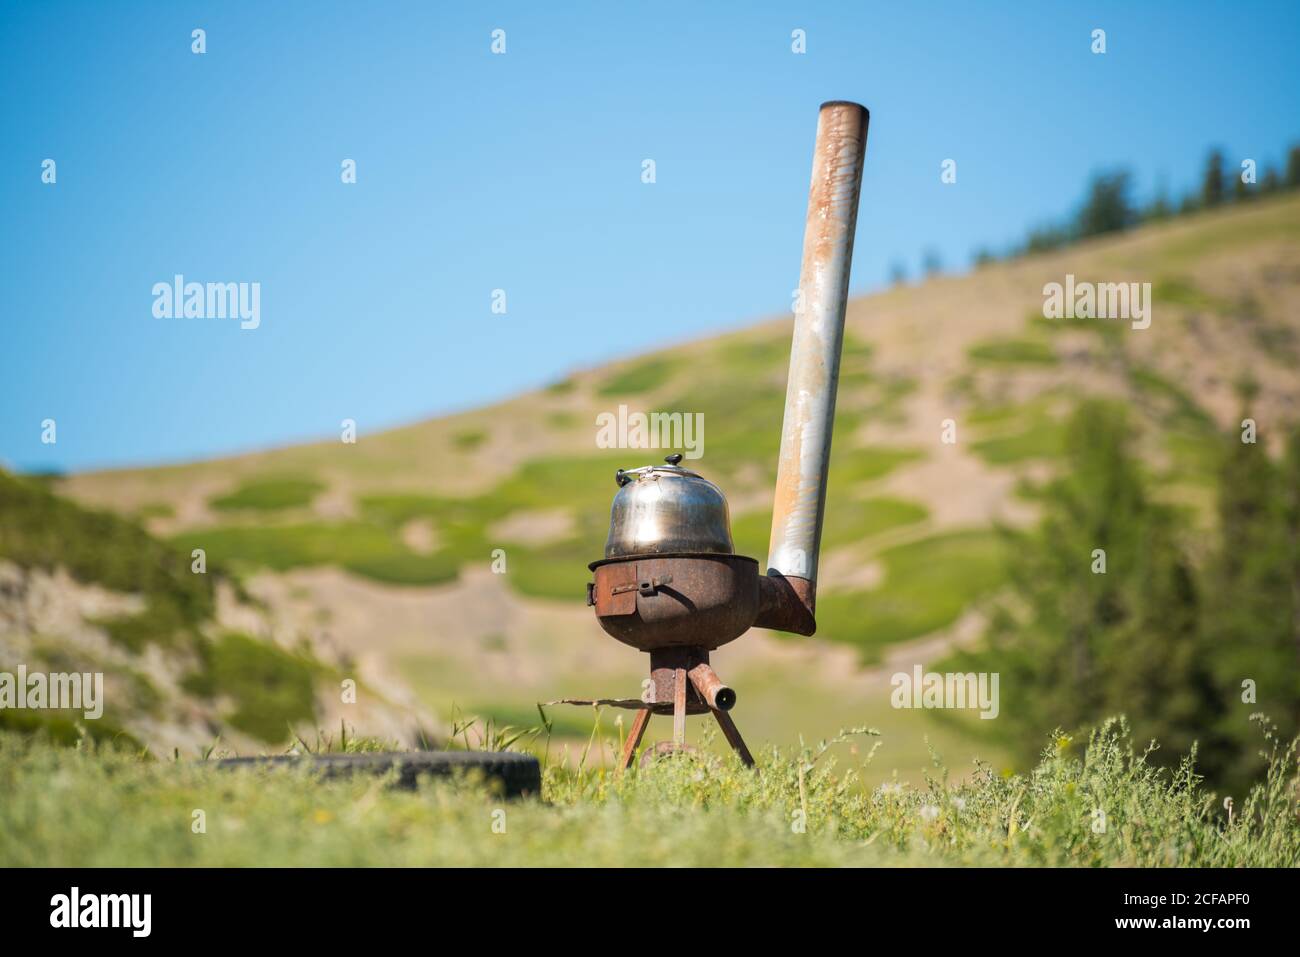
1043 437
282 547
562 421
407 568
565 721
850 466
63 728
742 404
742 423
42 530
1180 290
751 533
1006 415
395 509
1267 221
271 689
94 806
269 495
1109 334
1009 433
557 571
927 584
742 357
1195 457
367 549
1174 405
469 440
855 520
1015 351
741 394
554 570
583 482
154 510
162 623
640 376
371 546
39 529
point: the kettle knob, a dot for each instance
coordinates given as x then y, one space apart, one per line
673 459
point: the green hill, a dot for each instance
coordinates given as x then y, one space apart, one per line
384 550
89 591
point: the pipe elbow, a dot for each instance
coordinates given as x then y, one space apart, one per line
787 603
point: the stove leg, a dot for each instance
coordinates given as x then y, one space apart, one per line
679 708
634 738
732 734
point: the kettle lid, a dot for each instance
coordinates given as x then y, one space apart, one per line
623 476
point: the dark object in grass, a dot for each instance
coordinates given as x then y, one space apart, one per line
516 775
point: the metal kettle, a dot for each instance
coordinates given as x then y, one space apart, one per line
666 509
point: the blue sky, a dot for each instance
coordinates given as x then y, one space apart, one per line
522 172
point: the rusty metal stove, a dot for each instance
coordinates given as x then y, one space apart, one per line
677 592
678 607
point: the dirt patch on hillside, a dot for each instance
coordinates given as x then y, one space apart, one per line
534 528
420 536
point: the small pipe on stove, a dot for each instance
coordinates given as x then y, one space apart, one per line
715 694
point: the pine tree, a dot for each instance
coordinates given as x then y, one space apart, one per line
1291 523
1079 643
1293 167
1251 622
1241 190
1107 208
1212 184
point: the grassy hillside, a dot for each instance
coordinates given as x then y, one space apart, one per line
389 549
90 591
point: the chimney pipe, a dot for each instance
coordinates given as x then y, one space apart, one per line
789 591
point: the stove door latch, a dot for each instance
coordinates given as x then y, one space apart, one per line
646 586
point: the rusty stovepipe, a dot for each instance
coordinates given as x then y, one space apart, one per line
788 591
